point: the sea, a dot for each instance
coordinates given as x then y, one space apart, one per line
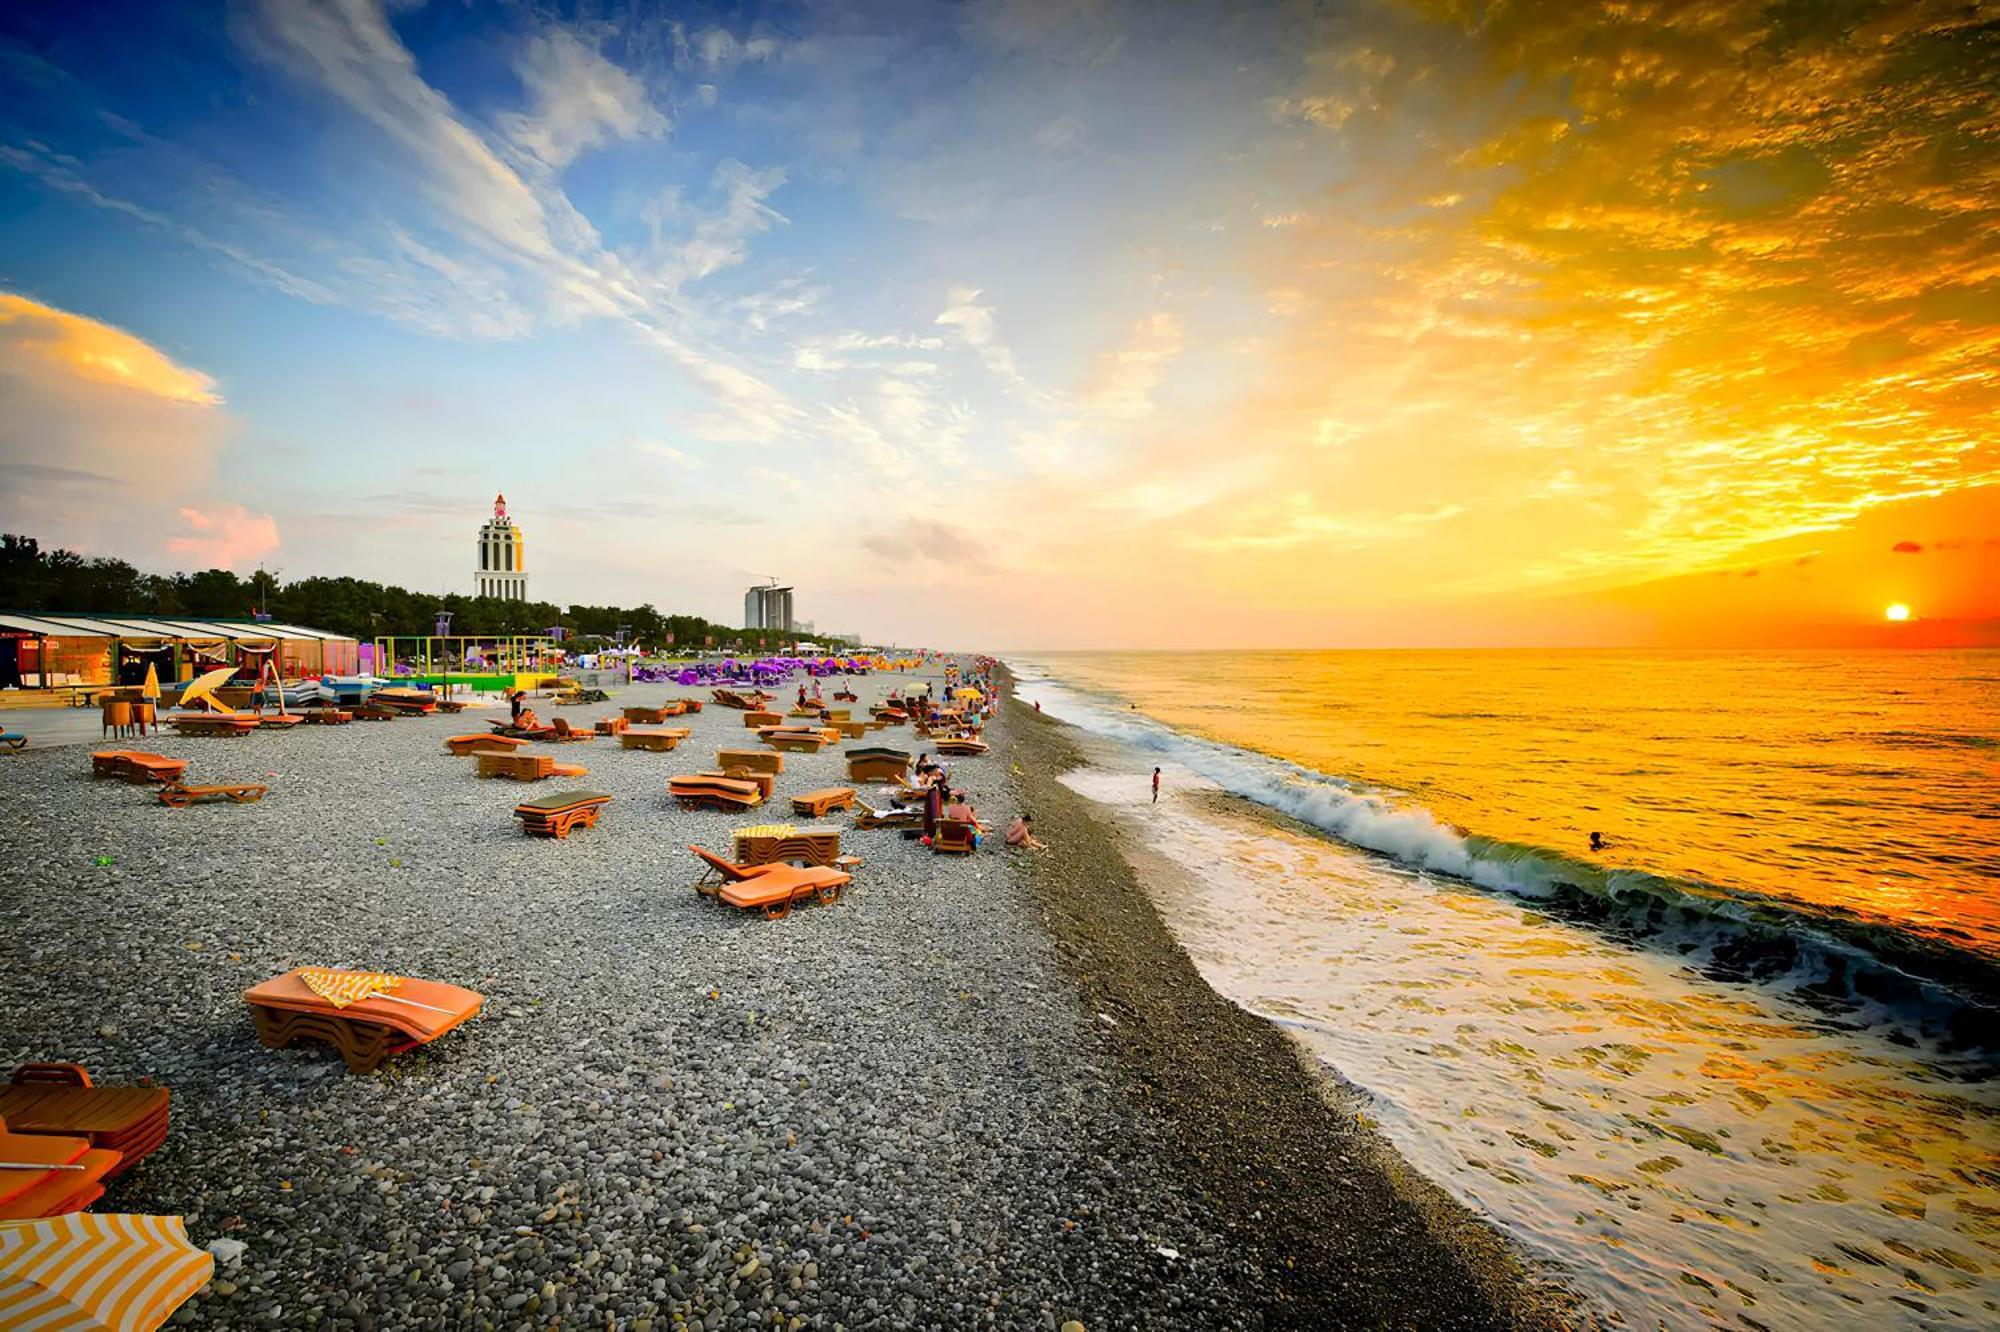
1736 1065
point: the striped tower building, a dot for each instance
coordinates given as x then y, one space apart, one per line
503 563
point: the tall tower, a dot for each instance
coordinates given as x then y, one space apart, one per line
503 562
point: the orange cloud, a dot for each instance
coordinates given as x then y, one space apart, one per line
88 349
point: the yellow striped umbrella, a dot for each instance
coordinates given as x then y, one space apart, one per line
341 988
86 1270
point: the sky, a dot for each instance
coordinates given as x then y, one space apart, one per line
1030 324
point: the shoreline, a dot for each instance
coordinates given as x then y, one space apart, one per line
1342 1230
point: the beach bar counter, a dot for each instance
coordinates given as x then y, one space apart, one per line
52 659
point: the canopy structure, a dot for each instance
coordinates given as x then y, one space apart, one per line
47 651
479 661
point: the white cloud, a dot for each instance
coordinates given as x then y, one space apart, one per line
577 100
1125 380
976 324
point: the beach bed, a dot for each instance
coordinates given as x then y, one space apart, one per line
527 767
765 782
464 746
703 790
55 1175
174 795
818 804
646 716
778 843
211 723
556 815
659 739
963 745
60 1099
797 739
611 726
755 760
131 765
365 1031
408 702
876 764
327 716
756 720
776 892
279 721
868 816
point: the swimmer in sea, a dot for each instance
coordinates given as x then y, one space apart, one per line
1597 841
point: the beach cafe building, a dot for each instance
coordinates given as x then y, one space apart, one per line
70 654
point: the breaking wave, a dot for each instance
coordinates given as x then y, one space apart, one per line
1853 969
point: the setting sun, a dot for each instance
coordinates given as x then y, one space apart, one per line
1897 612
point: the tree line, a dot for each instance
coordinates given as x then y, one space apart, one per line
63 582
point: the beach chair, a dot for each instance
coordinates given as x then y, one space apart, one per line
513 732
278 721
775 892
60 1099
720 872
953 838
868 816
706 791
131 765
757 719
464 746
876 764
645 716
174 795
961 745
13 741
365 1031
777 844
526 767
556 815
560 733
818 804
408 702
367 711
658 739
611 726
851 730
49 1174
729 698
766 783
327 716
756 760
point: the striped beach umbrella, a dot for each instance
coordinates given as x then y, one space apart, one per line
122 1272
341 988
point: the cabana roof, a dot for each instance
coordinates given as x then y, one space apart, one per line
135 626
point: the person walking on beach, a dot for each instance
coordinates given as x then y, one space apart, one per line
514 702
1156 786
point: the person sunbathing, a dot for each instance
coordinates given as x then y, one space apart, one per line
1021 833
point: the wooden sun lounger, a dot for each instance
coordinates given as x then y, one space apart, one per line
132 765
851 730
659 739
59 1099
278 721
756 760
513 732
794 740
372 712
699 790
71 1180
961 745
209 723
867 816
560 732
409 702
812 846
723 871
527 767
366 1033
766 783
807 711
555 815
875 764
465 746
755 720
775 893
646 716
818 804
176 796
327 716
611 726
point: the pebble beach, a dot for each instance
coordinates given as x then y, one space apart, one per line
910 1108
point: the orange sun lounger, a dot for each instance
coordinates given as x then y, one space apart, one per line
556 815
176 796
698 790
561 731
466 745
725 871
796 739
59 1099
611 726
527 767
876 764
754 719
818 804
962 744
765 783
211 723
46 1174
658 739
327 716
756 760
867 816
646 716
133 766
415 1012
775 891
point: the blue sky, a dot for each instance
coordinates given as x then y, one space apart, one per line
1336 320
